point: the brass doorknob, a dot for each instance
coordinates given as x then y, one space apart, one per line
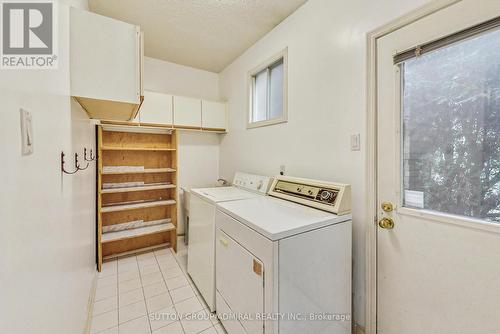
386 223
387 206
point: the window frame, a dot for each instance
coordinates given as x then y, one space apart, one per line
268 65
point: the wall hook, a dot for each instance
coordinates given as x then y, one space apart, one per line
77 164
62 165
92 157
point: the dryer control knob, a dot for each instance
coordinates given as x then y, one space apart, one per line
326 195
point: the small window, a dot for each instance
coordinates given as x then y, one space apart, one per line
268 92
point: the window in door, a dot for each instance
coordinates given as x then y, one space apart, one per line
268 92
451 128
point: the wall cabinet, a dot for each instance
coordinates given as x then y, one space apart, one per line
181 112
105 65
156 109
187 112
213 115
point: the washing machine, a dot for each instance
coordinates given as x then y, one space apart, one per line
201 247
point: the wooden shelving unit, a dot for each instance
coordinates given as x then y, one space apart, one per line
141 186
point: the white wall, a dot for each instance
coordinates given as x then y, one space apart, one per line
163 76
198 154
326 43
47 250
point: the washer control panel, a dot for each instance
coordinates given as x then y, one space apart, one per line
328 196
252 182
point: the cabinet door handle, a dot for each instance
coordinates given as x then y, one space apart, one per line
223 241
257 267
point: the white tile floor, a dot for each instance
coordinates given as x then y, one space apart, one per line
150 293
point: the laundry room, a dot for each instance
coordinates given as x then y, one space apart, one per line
250 167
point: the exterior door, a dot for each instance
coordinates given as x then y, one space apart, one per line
438 173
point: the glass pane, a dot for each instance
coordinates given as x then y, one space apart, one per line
451 129
276 91
259 112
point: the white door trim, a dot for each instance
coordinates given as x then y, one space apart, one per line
371 152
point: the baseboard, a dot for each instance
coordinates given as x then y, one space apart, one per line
90 305
359 329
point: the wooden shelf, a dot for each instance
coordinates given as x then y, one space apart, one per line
142 163
133 206
118 148
141 188
136 232
130 125
145 171
136 252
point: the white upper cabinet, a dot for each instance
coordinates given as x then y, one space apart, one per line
106 64
156 109
187 112
213 115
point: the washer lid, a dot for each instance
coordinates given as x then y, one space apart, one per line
276 218
221 194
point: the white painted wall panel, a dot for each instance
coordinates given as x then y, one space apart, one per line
163 76
47 249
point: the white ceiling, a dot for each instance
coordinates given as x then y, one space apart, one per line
205 34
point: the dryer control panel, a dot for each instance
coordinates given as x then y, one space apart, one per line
328 196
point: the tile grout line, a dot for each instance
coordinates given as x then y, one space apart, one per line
117 297
144 299
109 311
197 296
168 290
144 294
91 303
185 275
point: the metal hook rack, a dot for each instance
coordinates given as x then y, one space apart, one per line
77 164
62 165
92 156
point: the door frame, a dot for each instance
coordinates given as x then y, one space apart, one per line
371 151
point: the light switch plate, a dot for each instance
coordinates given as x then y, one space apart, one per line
355 142
26 132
